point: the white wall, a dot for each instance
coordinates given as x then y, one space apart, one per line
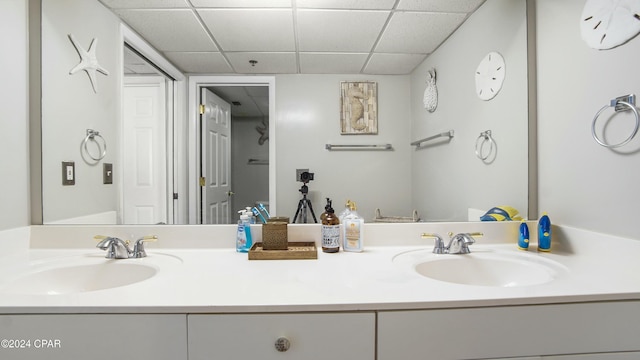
583 184
308 117
454 165
250 182
14 123
70 106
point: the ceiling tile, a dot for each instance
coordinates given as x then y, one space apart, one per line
145 4
268 63
464 6
328 63
159 28
346 4
337 30
393 64
417 33
241 3
199 62
251 30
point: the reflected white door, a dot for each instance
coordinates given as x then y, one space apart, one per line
215 168
144 198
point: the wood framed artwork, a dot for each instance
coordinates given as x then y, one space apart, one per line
358 108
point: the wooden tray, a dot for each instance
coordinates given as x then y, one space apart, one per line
296 251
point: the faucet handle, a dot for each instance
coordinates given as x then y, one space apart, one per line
438 246
138 247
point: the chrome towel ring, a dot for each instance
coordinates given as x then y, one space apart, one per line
483 139
622 103
91 135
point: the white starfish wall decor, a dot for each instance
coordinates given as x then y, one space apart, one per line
88 61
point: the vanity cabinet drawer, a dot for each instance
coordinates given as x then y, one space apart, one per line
309 336
93 336
512 331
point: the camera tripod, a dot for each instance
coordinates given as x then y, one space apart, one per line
303 204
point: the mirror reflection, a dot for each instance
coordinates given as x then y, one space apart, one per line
443 180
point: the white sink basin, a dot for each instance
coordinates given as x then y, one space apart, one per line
483 268
83 273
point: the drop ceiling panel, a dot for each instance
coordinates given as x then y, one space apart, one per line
462 6
268 63
199 62
393 64
332 63
241 3
338 30
251 30
418 33
169 30
145 4
301 36
346 4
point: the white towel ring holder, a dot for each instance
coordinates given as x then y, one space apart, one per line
485 136
91 135
619 105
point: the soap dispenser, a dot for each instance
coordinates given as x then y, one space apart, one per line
352 229
243 235
330 230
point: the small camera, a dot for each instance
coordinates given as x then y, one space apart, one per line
306 176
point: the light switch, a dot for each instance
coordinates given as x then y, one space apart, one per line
68 173
107 173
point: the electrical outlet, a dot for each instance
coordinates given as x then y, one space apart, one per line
107 173
299 172
68 173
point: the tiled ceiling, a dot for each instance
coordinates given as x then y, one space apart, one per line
295 36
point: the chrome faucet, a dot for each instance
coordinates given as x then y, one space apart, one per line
458 244
119 249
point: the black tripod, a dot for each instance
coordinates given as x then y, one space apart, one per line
303 204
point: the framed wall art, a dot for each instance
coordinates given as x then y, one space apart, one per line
358 108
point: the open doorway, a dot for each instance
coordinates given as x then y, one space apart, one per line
251 101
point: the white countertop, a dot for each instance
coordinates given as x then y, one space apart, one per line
216 279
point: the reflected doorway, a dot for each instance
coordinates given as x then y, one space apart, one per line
245 182
146 195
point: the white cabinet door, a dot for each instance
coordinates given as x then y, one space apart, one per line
311 336
503 332
93 337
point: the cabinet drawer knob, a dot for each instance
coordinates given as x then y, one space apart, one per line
282 344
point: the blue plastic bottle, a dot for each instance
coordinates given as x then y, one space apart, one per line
523 238
243 236
544 233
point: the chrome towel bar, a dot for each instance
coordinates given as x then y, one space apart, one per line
418 143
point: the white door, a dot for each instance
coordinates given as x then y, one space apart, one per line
144 197
215 170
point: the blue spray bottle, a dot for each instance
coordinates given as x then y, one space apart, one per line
544 233
523 237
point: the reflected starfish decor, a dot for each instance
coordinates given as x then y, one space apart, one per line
88 62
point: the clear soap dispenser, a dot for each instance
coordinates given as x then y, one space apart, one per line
352 229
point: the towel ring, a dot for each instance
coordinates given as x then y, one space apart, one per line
91 135
485 136
618 105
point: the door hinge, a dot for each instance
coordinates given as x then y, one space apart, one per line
202 109
175 196
202 181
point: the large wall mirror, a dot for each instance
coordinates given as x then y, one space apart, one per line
443 180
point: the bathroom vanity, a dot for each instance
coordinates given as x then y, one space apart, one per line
194 297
